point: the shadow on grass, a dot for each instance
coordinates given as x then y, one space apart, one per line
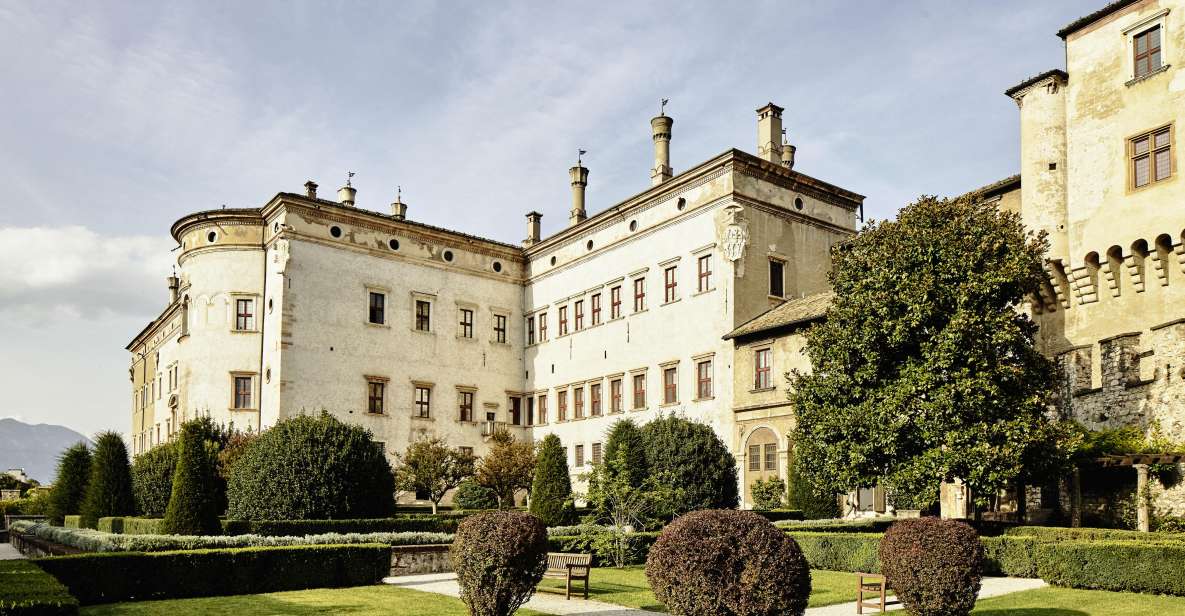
1032 611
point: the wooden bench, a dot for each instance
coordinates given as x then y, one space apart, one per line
569 567
873 584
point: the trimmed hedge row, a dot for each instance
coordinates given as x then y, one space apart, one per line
27 590
1054 533
778 515
295 528
139 576
72 521
835 551
861 525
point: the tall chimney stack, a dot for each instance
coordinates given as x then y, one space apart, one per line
661 129
534 220
310 189
398 207
579 181
174 284
769 133
787 152
346 193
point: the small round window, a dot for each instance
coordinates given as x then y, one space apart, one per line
682 203
553 260
633 225
448 255
394 244
211 237
497 266
798 203
589 245
335 231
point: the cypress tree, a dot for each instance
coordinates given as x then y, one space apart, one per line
152 479
193 505
691 456
69 490
551 491
109 491
626 443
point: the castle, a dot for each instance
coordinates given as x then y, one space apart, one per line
688 297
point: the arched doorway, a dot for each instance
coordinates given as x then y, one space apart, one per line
761 459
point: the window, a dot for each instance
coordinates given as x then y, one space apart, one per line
703 379
771 456
1151 157
639 391
375 390
761 378
465 404
242 393
516 410
777 282
1146 46
579 314
615 396
542 406
466 323
580 455
543 327
530 330
423 401
596 453
615 302
244 314
562 405
423 315
500 328
596 309
378 305
754 457
705 273
563 320
578 403
670 385
530 410
594 393
639 294
670 277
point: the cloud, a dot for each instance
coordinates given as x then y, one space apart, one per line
51 274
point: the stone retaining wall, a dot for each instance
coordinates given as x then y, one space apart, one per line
414 559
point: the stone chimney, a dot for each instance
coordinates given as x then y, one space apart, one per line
346 194
660 128
534 222
398 207
310 189
579 181
787 152
769 133
174 284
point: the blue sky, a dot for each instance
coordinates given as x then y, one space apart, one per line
118 118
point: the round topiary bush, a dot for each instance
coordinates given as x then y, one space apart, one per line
311 468
473 495
935 566
499 557
728 563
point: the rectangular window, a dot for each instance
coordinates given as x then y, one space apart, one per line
561 405
375 397
615 302
378 308
761 367
245 314
596 309
615 396
754 457
530 330
465 402
579 314
466 323
705 273
771 456
500 328
530 410
578 403
639 391
1151 157
423 401
243 392
1146 47
516 410
563 320
542 406
543 327
594 393
670 385
639 294
703 379
596 453
424 316
580 455
777 281
670 277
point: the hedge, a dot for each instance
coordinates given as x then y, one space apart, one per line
1053 533
1010 556
838 525
296 528
72 521
111 525
778 515
835 551
1125 566
25 589
138 576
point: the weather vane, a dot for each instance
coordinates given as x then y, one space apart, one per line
580 153
349 176
398 193
662 108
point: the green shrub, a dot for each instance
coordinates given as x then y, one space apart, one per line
1010 556
1052 533
109 490
69 490
1127 566
768 494
551 491
834 551
728 563
637 546
625 441
72 521
860 525
800 494
779 515
110 525
311 468
26 590
152 479
690 456
935 566
141 526
195 501
499 557
285 528
473 495
138 576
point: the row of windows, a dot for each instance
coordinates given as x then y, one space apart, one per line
422 317
580 460
154 388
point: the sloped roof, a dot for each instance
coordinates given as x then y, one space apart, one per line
1084 21
792 312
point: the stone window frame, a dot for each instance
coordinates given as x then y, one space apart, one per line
462 390
616 398
430 299
1130 32
1131 156
541 409
426 412
253 302
500 335
235 375
386 294
382 382
780 261
663 369
768 370
698 361
634 391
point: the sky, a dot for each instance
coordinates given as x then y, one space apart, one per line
119 118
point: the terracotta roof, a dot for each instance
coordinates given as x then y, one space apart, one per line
792 312
1007 184
1082 22
1035 78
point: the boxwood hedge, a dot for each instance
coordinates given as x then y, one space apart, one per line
27 590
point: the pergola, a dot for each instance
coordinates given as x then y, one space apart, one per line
1141 462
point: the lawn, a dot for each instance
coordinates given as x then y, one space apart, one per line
1070 602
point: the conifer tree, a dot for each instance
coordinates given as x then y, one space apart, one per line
109 490
551 490
194 503
626 443
69 489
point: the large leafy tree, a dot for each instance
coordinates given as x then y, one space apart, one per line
196 498
109 489
431 467
74 471
925 368
508 466
551 490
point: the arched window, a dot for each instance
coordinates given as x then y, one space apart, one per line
761 459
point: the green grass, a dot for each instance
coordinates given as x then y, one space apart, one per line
628 587
1070 602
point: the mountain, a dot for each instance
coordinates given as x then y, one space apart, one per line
34 447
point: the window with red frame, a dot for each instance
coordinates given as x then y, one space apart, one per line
761 376
639 391
615 302
596 309
615 396
563 320
705 273
579 314
703 379
670 278
670 385
639 294
594 393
